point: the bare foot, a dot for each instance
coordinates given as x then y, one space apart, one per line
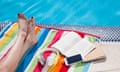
23 24
31 38
31 34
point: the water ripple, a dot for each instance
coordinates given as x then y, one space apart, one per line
75 12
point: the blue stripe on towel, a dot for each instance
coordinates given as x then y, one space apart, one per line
87 66
5 29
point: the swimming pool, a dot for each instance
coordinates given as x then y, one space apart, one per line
69 12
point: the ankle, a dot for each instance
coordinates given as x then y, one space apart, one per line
22 34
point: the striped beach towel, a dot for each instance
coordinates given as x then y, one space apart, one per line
46 38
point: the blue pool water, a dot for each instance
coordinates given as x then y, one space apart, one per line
73 12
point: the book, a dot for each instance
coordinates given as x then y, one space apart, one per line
72 45
95 54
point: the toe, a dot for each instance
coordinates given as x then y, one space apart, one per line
22 16
31 26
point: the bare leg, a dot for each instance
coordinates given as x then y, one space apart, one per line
11 61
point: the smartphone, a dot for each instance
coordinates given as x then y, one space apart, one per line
73 59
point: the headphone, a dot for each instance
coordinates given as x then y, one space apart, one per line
51 57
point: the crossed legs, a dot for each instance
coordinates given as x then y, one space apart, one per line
25 39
